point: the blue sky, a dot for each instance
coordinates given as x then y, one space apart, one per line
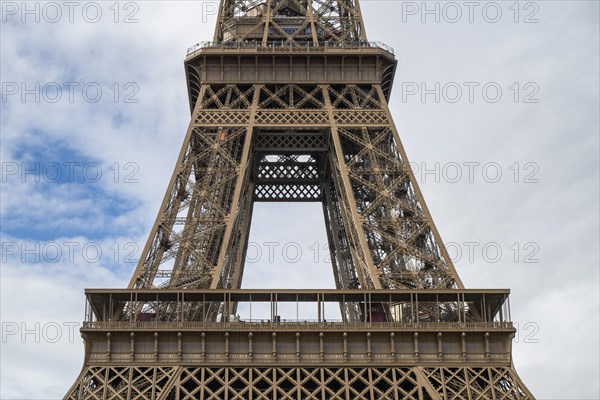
533 228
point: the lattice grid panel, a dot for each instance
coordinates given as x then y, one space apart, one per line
296 141
287 192
121 383
298 383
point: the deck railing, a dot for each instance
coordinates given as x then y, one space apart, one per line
279 44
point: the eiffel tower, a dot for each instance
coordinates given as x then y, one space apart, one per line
289 103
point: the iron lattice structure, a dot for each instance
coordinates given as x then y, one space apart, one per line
290 103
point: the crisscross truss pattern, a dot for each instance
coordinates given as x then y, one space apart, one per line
302 382
120 383
289 22
400 238
288 177
189 233
330 143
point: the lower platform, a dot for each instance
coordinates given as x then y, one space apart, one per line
155 345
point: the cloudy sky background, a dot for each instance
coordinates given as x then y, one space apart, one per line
86 227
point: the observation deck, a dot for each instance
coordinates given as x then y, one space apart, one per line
399 327
280 62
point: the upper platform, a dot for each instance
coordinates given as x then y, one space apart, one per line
282 62
279 46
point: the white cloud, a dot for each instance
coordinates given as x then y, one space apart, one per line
42 310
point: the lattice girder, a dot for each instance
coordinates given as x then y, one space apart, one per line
122 383
298 383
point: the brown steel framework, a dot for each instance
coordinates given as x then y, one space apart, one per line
289 103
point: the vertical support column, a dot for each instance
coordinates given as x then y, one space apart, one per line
132 346
369 346
331 227
105 390
108 350
322 382
267 23
313 25
203 381
416 339
347 383
250 348
179 346
491 383
370 374
298 381
241 182
155 355
321 349
318 307
154 376
359 21
226 383
468 382
227 346
395 381
129 382
148 267
347 199
245 223
419 194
